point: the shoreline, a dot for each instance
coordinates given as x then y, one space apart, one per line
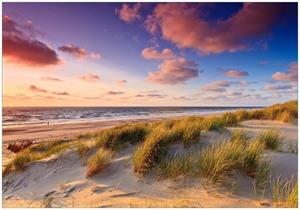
44 132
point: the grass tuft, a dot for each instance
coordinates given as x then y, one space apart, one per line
98 162
285 193
118 137
271 139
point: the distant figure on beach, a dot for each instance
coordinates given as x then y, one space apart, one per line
48 123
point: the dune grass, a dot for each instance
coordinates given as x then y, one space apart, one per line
229 118
216 161
285 193
271 139
173 166
36 152
99 161
118 137
251 157
83 147
261 176
152 150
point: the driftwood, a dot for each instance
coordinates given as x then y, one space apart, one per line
17 147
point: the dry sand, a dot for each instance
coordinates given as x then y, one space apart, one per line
60 181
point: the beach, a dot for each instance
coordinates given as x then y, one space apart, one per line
60 180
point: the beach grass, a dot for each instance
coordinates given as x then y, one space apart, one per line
118 137
285 193
83 147
36 152
251 157
175 165
217 160
271 139
99 161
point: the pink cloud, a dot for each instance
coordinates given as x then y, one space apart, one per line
174 71
129 13
290 75
78 52
151 54
276 87
236 73
90 77
217 86
36 89
55 79
115 92
20 49
123 81
61 93
181 24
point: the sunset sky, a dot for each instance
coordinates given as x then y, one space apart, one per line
137 54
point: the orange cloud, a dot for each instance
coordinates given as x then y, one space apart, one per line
291 75
123 81
34 88
236 73
20 49
61 93
174 71
51 79
90 77
181 24
115 92
78 52
150 53
129 13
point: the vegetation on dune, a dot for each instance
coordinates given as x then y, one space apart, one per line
84 147
229 118
271 139
251 159
118 137
98 161
217 160
152 150
176 165
36 152
286 112
285 193
261 176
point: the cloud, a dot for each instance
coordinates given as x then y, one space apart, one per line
120 82
115 92
156 95
129 13
90 77
276 87
55 79
61 93
151 54
139 95
263 62
19 48
180 23
36 89
217 86
291 75
16 97
236 73
174 71
183 98
78 52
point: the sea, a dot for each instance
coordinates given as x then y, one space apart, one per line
15 116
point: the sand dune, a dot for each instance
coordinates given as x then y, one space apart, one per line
60 181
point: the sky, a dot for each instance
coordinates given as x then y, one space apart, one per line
149 54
